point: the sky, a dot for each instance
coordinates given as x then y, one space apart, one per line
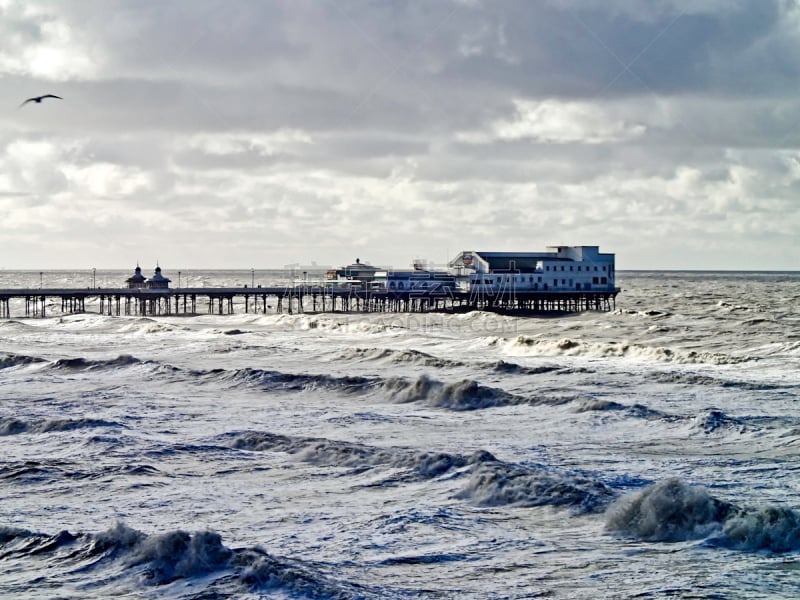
266 133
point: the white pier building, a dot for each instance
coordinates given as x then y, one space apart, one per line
563 269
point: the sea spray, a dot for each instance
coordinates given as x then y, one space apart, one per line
673 511
668 511
495 483
466 394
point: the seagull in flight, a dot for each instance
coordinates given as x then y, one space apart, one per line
38 99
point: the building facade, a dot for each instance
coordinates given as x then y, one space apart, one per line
416 279
562 269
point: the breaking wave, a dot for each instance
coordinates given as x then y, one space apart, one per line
165 557
766 528
86 364
423 465
10 534
198 559
731 307
148 326
567 347
276 380
673 511
15 541
261 572
49 471
83 364
509 368
460 395
465 395
705 380
714 420
13 426
30 470
494 483
389 356
633 410
668 511
310 322
8 361
491 481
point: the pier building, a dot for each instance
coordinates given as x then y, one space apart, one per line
564 269
353 275
414 279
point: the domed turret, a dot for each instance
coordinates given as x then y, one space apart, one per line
136 280
157 280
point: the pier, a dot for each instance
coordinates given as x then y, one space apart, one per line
44 302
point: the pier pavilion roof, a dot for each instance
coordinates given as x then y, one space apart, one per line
157 280
137 279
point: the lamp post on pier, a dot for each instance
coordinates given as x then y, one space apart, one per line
94 278
252 277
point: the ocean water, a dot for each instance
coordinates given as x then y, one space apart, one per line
648 452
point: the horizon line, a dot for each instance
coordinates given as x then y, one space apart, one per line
325 267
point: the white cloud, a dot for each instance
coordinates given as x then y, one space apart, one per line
105 179
220 144
554 121
56 51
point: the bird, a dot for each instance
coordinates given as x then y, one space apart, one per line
38 99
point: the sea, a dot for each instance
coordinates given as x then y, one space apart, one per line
651 451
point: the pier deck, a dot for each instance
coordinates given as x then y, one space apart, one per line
291 299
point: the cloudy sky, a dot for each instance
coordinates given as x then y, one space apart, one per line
261 133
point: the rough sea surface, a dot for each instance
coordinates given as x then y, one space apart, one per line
647 452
